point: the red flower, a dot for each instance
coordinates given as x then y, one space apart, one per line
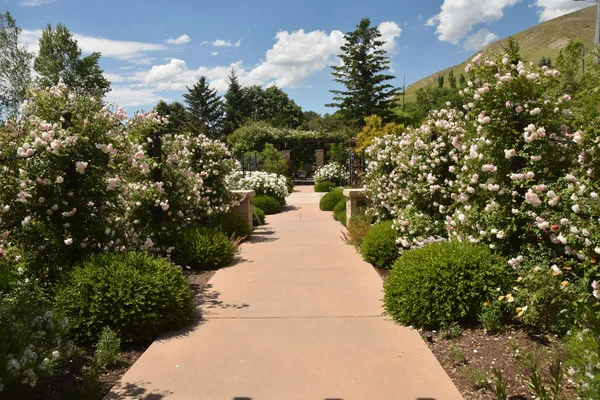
555 227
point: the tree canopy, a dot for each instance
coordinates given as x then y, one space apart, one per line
362 72
205 108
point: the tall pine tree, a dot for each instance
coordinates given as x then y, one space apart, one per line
236 108
205 108
362 72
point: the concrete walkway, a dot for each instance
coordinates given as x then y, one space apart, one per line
297 317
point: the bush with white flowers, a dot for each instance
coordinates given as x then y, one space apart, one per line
506 171
332 172
261 182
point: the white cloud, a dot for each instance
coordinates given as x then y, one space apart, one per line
479 40
179 40
389 32
221 43
125 96
555 8
34 3
238 43
214 53
172 76
135 52
204 42
457 17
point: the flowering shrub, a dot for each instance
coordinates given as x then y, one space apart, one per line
34 339
507 172
261 182
332 172
86 182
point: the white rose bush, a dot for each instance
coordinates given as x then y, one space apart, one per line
332 172
507 171
263 183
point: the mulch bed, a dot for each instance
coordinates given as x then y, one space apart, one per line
69 383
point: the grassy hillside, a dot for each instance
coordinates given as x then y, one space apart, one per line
545 39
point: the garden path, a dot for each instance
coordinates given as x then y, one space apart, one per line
298 316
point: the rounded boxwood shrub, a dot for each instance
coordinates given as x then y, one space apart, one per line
324 186
258 217
330 200
231 225
339 212
202 248
270 205
444 283
379 246
136 295
290 184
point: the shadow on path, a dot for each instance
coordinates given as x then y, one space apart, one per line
137 390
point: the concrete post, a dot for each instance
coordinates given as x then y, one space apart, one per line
320 156
245 208
356 199
287 155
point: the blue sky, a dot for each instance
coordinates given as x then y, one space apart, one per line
154 49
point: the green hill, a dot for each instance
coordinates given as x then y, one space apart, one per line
543 40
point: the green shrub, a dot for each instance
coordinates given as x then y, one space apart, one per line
444 283
231 225
290 184
202 248
33 340
339 212
136 295
379 246
270 205
107 349
582 347
258 217
325 186
330 200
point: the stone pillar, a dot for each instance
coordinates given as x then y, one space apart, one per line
320 155
287 155
245 208
355 200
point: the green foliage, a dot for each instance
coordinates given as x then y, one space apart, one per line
269 204
450 331
59 60
236 107
500 385
290 184
545 62
330 200
34 339
443 283
582 347
273 106
491 316
362 72
273 161
258 217
435 98
205 108
136 295
339 212
107 349
324 186
440 81
202 248
451 79
568 63
457 354
231 225
254 135
15 67
513 50
374 128
477 376
358 226
177 114
379 246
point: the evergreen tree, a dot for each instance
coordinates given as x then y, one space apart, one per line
568 63
462 81
452 80
178 115
440 80
545 62
236 108
362 72
60 59
513 50
205 108
15 67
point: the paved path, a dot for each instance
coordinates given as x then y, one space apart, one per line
298 317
